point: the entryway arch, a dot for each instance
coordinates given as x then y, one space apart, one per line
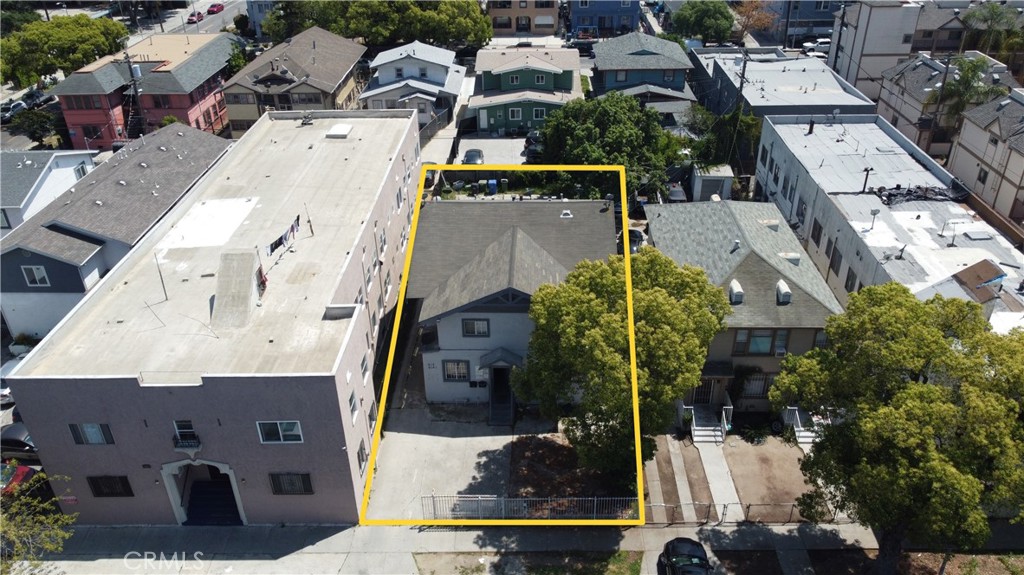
178 483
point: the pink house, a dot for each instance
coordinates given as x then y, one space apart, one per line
175 75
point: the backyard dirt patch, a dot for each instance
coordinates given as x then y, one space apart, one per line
752 562
767 477
861 562
704 504
617 563
546 465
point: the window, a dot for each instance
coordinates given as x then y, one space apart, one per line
183 429
801 211
291 484
91 132
359 297
781 339
816 232
421 107
956 34
760 341
476 327
757 384
501 4
4 222
513 79
515 114
993 141
91 434
80 171
539 79
775 174
584 3
927 33
362 456
423 72
820 338
522 3
311 98
387 284
383 241
500 22
620 75
822 5
369 279
110 486
373 415
35 276
907 38
161 101
670 75
399 200
456 370
539 113
764 155
836 262
377 104
364 366
399 73
982 178
851 280
280 431
353 406
828 248
240 125
771 164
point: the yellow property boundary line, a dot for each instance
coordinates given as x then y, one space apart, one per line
363 520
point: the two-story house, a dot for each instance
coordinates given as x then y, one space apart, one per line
58 255
31 180
257 10
518 87
415 76
313 70
988 156
119 97
225 377
779 300
523 17
473 294
638 59
909 98
606 18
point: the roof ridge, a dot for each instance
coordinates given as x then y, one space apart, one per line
514 230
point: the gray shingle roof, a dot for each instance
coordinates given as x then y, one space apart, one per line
639 51
513 261
452 85
703 234
315 57
17 177
451 234
919 76
100 207
417 50
1009 112
648 89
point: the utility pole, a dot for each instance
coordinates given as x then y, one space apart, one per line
834 50
739 104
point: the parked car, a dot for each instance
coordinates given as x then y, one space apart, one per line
215 8
431 177
473 156
819 45
16 443
37 98
10 109
683 556
13 475
195 17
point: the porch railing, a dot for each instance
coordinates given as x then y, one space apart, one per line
726 417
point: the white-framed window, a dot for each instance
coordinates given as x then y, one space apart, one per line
291 484
91 434
982 178
184 430
362 456
993 141
399 200
455 370
35 276
539 113
369 279
513 79
760 341
279 431
399 73
476 328
515 113
620 76
80 171
353 406
539 79
360 298
364 367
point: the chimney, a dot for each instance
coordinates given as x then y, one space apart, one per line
810 128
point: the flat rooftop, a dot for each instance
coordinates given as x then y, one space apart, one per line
911 235
126 326
173 49
793 82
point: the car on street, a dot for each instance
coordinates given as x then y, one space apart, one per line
195 17
215 8
10 109
473 156
819 45
13 475
683 556
16 443
37 98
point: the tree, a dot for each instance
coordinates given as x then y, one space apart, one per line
236 61
242 26
990 22
63 43
168 120
13 19
36 125
753 15
579 352
965 88
929 420
612 130
31 524
710 20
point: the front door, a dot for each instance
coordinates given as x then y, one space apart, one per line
484 126
501 405
704 392
209 496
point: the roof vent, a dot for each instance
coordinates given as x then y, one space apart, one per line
122 182
1003 104
791 257
735 292
783 295
735 246
143 164
565 214
339 131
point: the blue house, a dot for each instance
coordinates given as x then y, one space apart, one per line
606 17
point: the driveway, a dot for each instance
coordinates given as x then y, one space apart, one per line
497 150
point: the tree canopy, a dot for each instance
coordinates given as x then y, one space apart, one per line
611 130
15 15
579 352
754 15
36 125
990 22
709 20
927 431
31 524
966 88
65 42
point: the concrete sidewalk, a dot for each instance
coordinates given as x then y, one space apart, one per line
387 550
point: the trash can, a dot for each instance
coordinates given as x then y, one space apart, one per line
492 187
504 185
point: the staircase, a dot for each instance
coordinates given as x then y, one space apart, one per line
212 503
707 435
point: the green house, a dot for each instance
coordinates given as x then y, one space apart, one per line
518 87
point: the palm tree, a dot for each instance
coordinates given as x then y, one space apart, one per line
965 87
991 20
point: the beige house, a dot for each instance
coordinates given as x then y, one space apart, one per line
988 156
222 373
516 17
315 70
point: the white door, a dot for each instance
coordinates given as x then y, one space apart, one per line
482 119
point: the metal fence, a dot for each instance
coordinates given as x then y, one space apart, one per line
441 118
695 513
494 507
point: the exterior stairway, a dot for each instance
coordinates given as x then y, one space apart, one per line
212 503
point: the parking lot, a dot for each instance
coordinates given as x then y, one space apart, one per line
497 150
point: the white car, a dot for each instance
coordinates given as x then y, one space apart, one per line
818 55
819 45
5 397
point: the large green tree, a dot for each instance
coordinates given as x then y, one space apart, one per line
965 88
31 524
64 43
927 432
579 356
14 15
709 20
612 130
36 125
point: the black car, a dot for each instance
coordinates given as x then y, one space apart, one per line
430 178
473 156
16 443
683 556
37 98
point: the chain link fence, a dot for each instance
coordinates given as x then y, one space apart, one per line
494 507
695 513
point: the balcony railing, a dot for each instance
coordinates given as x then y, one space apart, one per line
187 441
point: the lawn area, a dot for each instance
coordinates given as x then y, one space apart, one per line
576 563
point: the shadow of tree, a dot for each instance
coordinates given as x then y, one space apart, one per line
527 549
751 548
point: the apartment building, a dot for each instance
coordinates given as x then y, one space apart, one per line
523 17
